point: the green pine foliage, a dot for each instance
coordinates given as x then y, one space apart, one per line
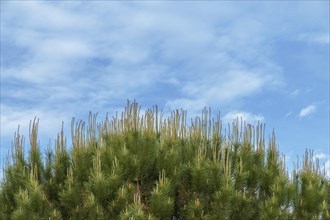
143 166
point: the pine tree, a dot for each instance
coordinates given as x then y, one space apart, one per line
142 166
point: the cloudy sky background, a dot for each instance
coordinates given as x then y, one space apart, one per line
266 61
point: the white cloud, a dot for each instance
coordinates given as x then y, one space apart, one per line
246 116
193 107
295 93
221 89
319 38
50 123
79 58
307 111
238 84
288 114
67 58
321 156
46 16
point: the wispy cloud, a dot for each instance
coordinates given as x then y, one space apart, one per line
307 111
246 116
319 38
321 156
63 59
72 57
220 88
49 122
295 93
288 114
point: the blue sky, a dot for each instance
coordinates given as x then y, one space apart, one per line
266 61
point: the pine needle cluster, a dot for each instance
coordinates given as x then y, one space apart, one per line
143 166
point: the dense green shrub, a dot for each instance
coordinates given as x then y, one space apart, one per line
146 167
